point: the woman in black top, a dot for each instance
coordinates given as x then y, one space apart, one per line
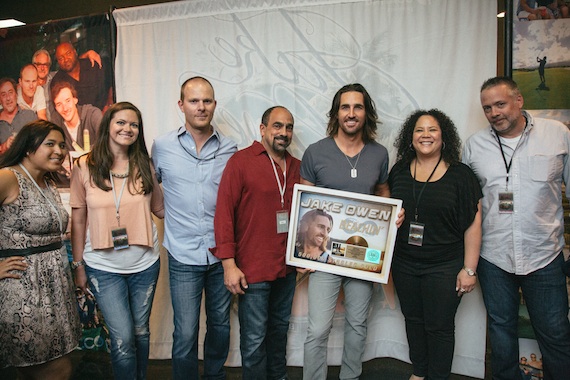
437 247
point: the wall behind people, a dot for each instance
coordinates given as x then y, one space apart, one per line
409 54
297 53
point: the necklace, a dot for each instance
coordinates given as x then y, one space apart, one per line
53 206
353 171
124 175
424 186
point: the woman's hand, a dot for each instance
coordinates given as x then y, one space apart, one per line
14 263
80 278
464 283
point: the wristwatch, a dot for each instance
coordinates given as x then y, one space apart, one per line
470 271
77 264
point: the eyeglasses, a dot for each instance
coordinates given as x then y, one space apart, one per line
42 64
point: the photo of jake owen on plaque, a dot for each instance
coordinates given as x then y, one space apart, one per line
336 234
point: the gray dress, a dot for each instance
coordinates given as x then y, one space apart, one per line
38 312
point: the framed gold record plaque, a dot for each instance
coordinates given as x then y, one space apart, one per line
341 232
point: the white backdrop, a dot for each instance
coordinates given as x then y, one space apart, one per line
409 54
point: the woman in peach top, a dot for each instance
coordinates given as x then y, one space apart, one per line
115 245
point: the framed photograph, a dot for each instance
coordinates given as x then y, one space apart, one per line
341 232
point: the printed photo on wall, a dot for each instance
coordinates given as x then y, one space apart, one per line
541 60
61 71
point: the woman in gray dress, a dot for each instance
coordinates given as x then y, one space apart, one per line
39 324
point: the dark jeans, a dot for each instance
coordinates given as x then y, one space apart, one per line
546 299
429 302
187 282
264 312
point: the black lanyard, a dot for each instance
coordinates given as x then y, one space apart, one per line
508 165
423 187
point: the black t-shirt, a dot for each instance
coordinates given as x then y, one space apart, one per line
447 208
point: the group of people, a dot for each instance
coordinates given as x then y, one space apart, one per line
226 218
531 370
39 320
73 97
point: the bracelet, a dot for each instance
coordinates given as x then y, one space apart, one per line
77 264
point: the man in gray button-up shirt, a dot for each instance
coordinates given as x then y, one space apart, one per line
521 163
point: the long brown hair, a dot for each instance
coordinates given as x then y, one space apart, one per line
100 159
371 124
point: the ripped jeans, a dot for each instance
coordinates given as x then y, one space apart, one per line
126 300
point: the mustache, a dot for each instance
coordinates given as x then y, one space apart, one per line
282 138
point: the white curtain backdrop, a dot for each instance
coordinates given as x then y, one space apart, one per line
409 54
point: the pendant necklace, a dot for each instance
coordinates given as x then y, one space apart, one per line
353 171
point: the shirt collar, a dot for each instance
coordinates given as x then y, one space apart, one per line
208 150
529 120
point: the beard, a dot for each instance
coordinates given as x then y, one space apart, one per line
285 142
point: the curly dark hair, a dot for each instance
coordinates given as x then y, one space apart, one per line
371 124
451 142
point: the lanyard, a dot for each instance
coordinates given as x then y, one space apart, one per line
45 196
508 166
117 201
424 186
281 188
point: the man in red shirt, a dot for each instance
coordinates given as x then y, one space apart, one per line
251 225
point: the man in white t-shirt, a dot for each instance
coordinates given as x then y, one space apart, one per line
30 95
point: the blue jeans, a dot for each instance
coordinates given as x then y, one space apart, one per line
429 303
546 299
323 292
187 282
126 300
264 312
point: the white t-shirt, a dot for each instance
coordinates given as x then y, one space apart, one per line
133 259
38 103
